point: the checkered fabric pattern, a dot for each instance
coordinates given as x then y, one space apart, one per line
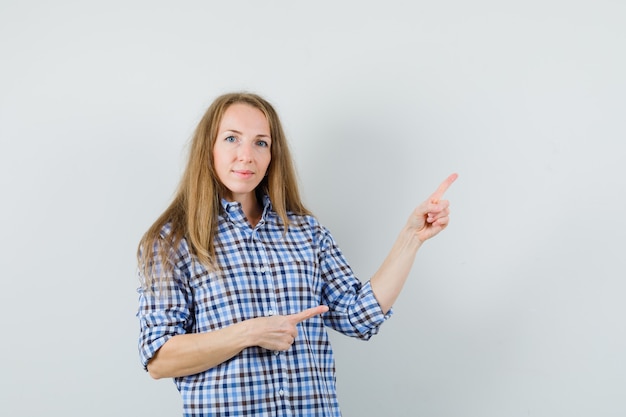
263 272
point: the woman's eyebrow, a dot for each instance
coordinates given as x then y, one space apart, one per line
237 131
259 135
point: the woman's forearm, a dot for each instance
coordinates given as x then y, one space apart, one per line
188 354
389 280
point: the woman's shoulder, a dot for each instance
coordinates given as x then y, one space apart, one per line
310 224
304 220
172 239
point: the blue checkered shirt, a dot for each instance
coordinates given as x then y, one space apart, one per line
262 273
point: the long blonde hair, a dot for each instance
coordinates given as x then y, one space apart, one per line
194 211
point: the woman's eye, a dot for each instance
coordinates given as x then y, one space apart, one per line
231 139
262 143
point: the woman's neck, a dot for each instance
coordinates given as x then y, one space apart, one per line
250 205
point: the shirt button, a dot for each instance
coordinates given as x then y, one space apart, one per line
281 392
270 312
276 352
262 270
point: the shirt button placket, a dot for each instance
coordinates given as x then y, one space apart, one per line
263 271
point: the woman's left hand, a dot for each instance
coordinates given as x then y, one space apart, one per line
432 216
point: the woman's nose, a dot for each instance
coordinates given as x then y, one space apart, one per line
244 152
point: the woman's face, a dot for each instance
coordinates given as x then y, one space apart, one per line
241 154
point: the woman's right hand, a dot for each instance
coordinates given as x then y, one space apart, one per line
279 332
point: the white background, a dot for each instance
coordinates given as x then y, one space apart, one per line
517 309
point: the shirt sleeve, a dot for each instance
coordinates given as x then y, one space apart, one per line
164 311
354 310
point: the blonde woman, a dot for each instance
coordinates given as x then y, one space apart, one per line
240 280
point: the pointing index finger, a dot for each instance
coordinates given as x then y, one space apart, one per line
443 187
308 313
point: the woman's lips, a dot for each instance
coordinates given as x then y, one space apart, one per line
244 173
